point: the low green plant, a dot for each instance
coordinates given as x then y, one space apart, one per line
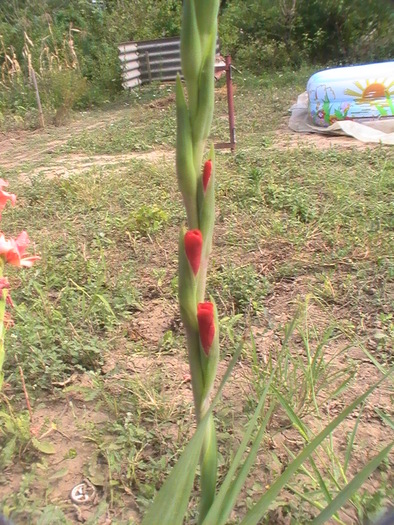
301 372
240 289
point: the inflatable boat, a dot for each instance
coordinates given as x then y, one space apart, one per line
351 93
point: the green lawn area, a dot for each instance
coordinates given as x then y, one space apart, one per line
302 270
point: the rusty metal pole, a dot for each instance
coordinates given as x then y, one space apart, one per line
230 102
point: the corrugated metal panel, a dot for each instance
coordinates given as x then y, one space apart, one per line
150 60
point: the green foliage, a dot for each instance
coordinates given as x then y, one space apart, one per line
81 74
280 34
62 91
80 218
258 33
240 289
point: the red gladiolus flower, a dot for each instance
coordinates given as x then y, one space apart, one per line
206 325
206 174
193 248
13 250
5 196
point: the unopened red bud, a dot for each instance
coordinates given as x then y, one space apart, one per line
206 174
206 325
193 249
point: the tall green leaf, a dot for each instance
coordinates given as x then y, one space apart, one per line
229 490
260 508
170 504
351 487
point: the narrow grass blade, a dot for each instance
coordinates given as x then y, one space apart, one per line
221 498
238 483
260 508
314 503
105 303
373 360
351 487
227 496
349 448
289 329
319 478
297 423
385 418
170 504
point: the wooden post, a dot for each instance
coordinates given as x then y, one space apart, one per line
40 113
230 102
148 66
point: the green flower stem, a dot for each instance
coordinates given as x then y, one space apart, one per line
3 298
194 118
208 466
186 171
191 53
208 460
188 309
193 350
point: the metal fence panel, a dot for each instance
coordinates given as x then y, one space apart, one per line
150 60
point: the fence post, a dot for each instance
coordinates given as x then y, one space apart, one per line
230 102
40 112
148 66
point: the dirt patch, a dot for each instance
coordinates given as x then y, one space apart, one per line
23 146
163 102
73 164
64 426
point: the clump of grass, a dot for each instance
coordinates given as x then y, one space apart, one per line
240 289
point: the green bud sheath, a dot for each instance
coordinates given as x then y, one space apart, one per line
206 206
186 174
207 12
187 286
190 52
202 123
188 309
209 466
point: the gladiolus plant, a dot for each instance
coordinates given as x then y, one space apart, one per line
196 180
196 183
12 251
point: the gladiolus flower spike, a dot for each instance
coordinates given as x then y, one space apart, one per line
206 325
193 249
13 251
5 196
196 183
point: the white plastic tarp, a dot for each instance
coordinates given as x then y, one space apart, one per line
378 131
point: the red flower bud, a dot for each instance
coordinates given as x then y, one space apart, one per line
206 174
193 248
206 325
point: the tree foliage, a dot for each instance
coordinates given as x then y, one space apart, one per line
280 33
72 44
